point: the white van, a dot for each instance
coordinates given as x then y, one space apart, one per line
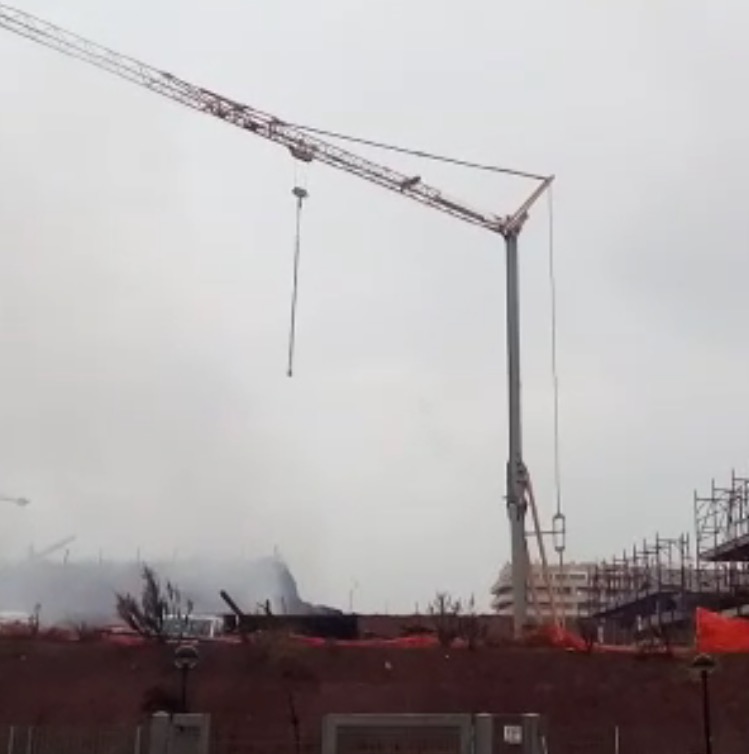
194 626
15 618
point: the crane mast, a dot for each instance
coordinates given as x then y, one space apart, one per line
308 148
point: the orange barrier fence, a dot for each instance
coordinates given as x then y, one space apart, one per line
717 634
714 634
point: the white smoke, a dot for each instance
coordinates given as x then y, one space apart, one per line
85 590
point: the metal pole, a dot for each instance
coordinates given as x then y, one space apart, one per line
706 713
516 504
184 672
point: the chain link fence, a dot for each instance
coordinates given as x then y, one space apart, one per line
134 740
645 739
73 740
582 739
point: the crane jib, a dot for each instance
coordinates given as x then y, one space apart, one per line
301 146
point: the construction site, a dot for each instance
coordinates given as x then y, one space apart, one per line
527 529
651 592
640 651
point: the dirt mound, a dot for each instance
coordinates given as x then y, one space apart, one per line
251 690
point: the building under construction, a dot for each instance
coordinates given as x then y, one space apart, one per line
650 593
722 527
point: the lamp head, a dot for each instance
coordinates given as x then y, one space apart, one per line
703 663
186 657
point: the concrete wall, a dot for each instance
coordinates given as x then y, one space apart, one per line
498 627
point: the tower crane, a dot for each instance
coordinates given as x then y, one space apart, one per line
307 148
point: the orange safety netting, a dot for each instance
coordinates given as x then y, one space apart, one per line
717 634
549 636
407 642
556 636
714 634
560 638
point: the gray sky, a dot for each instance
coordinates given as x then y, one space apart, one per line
144 283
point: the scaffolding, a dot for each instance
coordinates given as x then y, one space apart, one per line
655 587
647 590
722 528
722 522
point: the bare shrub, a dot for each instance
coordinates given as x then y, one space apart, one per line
445 612
588 631
84 632
454 619
35 620
470 627
148 615
654 642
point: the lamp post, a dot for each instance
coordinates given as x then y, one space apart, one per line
703 665
351 592
185 659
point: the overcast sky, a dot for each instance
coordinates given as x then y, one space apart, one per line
146 265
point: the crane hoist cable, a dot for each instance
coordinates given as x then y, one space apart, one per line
301 194
558 520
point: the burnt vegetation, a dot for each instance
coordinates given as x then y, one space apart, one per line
149 614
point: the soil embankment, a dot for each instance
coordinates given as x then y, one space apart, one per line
250 690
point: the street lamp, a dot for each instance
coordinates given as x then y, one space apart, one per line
703 665
351 591
185 659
